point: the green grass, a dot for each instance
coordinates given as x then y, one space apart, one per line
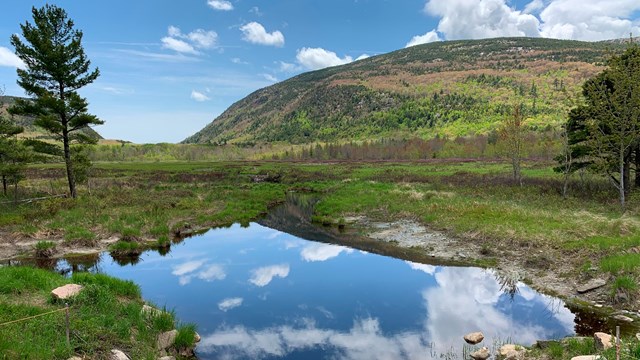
105 315
616 264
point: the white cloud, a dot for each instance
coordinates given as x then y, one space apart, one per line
427 269
8 58
270 77
362 57
431 36
288 67
322 252
477 19
264 275
211 273
198 96
256 11
187 267
255 33
239 61
319 58
177 45
221 5
589 20
189 43
228 304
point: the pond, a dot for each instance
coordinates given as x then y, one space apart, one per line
259 293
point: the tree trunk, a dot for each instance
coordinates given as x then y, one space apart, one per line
627 176
621 185
638 166
69 163
15 190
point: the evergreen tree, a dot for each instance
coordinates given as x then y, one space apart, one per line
13 154
56 68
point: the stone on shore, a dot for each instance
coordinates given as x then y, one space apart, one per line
66 291
166 339
167 358
197 337
603 341
591 285
586 357
511 352
118 355
482 354
474 338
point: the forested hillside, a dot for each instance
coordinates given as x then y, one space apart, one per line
446 89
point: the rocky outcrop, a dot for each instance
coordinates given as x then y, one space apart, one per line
66 291
603 341
166 339
482 354
511 352
591 285
474 338
118 355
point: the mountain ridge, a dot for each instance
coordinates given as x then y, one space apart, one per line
456 88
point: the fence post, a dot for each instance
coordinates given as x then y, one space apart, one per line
617 342
67 321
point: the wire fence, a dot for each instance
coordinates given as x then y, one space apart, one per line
65 309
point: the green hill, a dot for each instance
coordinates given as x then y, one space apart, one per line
453 88
30 130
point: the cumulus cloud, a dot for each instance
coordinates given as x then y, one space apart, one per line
362 57
427 269
228 304
319 58
198 96
270 78
196 268
589 20
221 5
8 58
287 67
189 43
264 275
255 33
211 273
322 252
431 36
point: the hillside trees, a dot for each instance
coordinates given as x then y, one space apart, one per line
13 154
604 132
512 133
56 67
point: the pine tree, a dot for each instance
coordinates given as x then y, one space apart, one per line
56 67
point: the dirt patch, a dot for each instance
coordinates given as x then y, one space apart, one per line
12 245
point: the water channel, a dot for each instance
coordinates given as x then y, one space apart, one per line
256 292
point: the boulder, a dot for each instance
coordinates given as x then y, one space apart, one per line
591 285
511 352
482 354
66 291
118 355
197 338
474 338
586 357
166 339
603 341
623 318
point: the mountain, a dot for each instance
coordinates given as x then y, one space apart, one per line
30 130
453 88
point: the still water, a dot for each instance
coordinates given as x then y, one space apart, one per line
258 293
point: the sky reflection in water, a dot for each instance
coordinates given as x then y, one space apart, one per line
258 293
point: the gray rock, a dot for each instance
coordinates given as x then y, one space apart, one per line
167 358
591 285
474 338
75 358
197 338
586 357
638 336
482 354
623 318
118 355
166 339
511 352
66 291
603 341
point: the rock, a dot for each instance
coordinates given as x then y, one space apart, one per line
167 358
197 338
75 358
586 357
166 339
118 355
474 338
511 352
66 291
603 341
638 336
623 318
482 354
591 285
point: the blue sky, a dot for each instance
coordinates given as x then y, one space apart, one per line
170 67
